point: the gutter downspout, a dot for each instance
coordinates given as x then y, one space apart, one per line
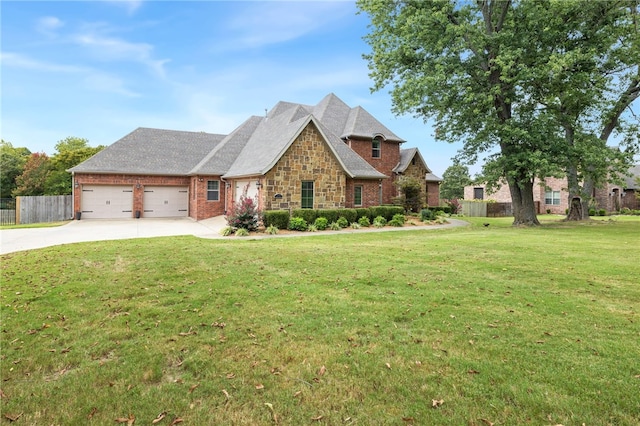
226 187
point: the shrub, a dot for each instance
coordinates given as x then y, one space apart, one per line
399 218
364 221
271 230
227 231
342 222
602 212
355 225
379 222
427 214
309 215
298 224
362 212
592 212
244 214
396 222
454 205
312 228
332 215
321 223
242 232
411 193
625 210
277 218
334 226
350 214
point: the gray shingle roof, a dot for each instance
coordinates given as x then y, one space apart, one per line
406 155
152 151
631 182
251 149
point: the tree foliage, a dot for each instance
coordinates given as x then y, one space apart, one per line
12 161
490 72
454 179
34 175
71 151
411 194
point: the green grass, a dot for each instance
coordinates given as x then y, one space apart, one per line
504 325
35 225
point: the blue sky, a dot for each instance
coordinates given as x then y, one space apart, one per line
100 69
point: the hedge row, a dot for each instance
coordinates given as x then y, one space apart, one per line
280 218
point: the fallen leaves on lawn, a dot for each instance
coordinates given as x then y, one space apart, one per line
12 417
93 412
273 413
176 421
188 333
317 418
259 386
193 387
487 422
322 370
473 372
435 403
159 418
3 395
128 420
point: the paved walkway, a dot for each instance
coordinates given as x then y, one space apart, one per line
12 240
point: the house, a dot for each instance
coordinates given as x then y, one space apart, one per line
296 156
553 196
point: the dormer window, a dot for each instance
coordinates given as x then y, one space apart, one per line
376 145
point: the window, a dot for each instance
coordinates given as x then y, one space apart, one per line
552 198
375 147
357 196
307 195
213 190
478 193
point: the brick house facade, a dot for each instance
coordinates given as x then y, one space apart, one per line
553 196
298 156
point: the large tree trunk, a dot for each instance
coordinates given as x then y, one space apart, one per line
578 196
524 208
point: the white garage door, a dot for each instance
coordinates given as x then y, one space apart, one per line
165 201
107 201
246 186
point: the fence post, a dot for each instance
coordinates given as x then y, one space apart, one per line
18 210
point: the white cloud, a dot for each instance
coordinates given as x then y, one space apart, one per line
108 83
17 60
114 49
49 25
131 6
261 24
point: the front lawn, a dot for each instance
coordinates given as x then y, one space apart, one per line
468 326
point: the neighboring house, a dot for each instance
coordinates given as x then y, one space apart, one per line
553 194
298 156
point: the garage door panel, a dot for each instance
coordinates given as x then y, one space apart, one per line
107 201
166 201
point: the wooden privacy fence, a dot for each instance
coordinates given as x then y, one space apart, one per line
45 208
485 209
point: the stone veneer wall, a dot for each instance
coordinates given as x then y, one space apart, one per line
307 159
430 190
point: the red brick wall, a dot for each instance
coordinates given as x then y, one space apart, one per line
389 158
199 207
370 192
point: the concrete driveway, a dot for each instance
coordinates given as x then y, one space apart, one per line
76 231
12 240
